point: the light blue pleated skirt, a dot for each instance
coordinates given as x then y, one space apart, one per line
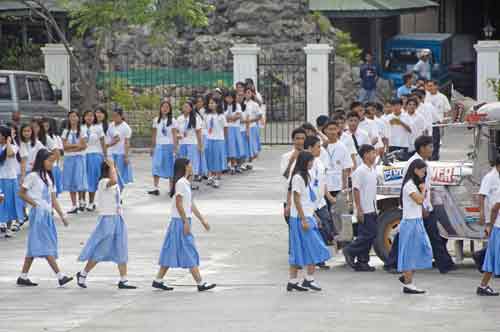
57 174
20 203
259 145
125 173
9 209
203 167
108 242
234 143
94 167
244 140
75 174
163 161
306 247
253 141
178 250
191 152
216 155
415 251
492 258
42 236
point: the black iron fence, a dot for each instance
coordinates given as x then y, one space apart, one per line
331 84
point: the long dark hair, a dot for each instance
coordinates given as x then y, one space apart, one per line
305 157
104 124
38 167
412 176
169 114
84 115
42 136
196 109
179 172
192 115
21 137
232 94
218 105
52 126
15 139
68 125
6 133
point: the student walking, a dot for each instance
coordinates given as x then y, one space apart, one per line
119 135
179 249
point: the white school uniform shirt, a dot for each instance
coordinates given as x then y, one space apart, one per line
244 117
36 190
318 180
364 179
253 110
164 134
51 143
335 158
108 199
428 113
417 129
285 159
215 125
188 134
123 131
71 136
495 199
411 210
384 129
203 123
428 181
370 127
308 206
232 111
361 138
400 137
440 102
182 188
8 170
28 152
489 185
93 135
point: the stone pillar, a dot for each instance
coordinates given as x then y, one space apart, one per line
57 68
488 67
317 93
245 62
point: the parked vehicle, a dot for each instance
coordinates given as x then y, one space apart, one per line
29 93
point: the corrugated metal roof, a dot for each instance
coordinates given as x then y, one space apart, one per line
18 6
361 8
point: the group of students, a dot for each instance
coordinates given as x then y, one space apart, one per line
218 133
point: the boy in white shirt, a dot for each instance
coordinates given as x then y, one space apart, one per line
357 136
366 124
400 130
443 107
417 123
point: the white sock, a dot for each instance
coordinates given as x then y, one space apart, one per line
123 278
160 281
309 277
59 275
24 276
83 273
294 281
201 282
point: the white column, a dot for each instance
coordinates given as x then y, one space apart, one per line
58 69
245 62
488 67
317 80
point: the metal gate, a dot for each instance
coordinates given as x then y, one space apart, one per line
331 84
282 83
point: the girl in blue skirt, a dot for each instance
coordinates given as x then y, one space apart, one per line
28 148
307 247
164 146
189 126
179 249
234 142
94 154
75 169
108 242
200 109
254 116
55 145
415 251
119 135
244 131
216 147
39 192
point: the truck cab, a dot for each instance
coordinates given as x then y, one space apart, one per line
401 53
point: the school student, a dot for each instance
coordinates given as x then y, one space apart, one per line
200 109
366 124
321 122
119 135
75 169
306 245
364 184
254 116
415 251
442 107
216 149
108 242
29 147
101 118
244 132
400 124
22 217
54 145
234 142
179 249
94 155
355 136
38 191
164 146
417 124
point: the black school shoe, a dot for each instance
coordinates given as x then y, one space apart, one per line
64 280
125 285
408 290
486 291
291 287
25 282
154 192
205 287
311 285
80 284
162 286
364 267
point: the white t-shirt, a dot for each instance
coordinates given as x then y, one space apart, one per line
417 129
384 129
51 143
182 188
94 134
123 131
318 181
308 205
427 202
72 137
361 138
411 210
8 170
440 102
364 179
335 159
201 116
108 199
244 117
230 112
400 137
215 125
39 191
28 152
188 134
253 110
428 113
164 132
370 127
489 185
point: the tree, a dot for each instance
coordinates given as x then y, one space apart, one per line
102 18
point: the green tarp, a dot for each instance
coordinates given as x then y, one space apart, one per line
362 8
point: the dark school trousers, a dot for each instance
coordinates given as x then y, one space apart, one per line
367 232
327 229
436 142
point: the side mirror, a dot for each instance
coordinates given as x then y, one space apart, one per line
58 94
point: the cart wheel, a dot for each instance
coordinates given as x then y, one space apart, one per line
388 227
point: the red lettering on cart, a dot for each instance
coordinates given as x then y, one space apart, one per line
443 175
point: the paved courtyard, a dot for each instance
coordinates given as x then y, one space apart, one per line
246 255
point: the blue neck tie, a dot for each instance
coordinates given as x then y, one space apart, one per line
312 195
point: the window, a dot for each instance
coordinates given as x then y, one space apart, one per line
5 93
22 89
35 92
48 94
